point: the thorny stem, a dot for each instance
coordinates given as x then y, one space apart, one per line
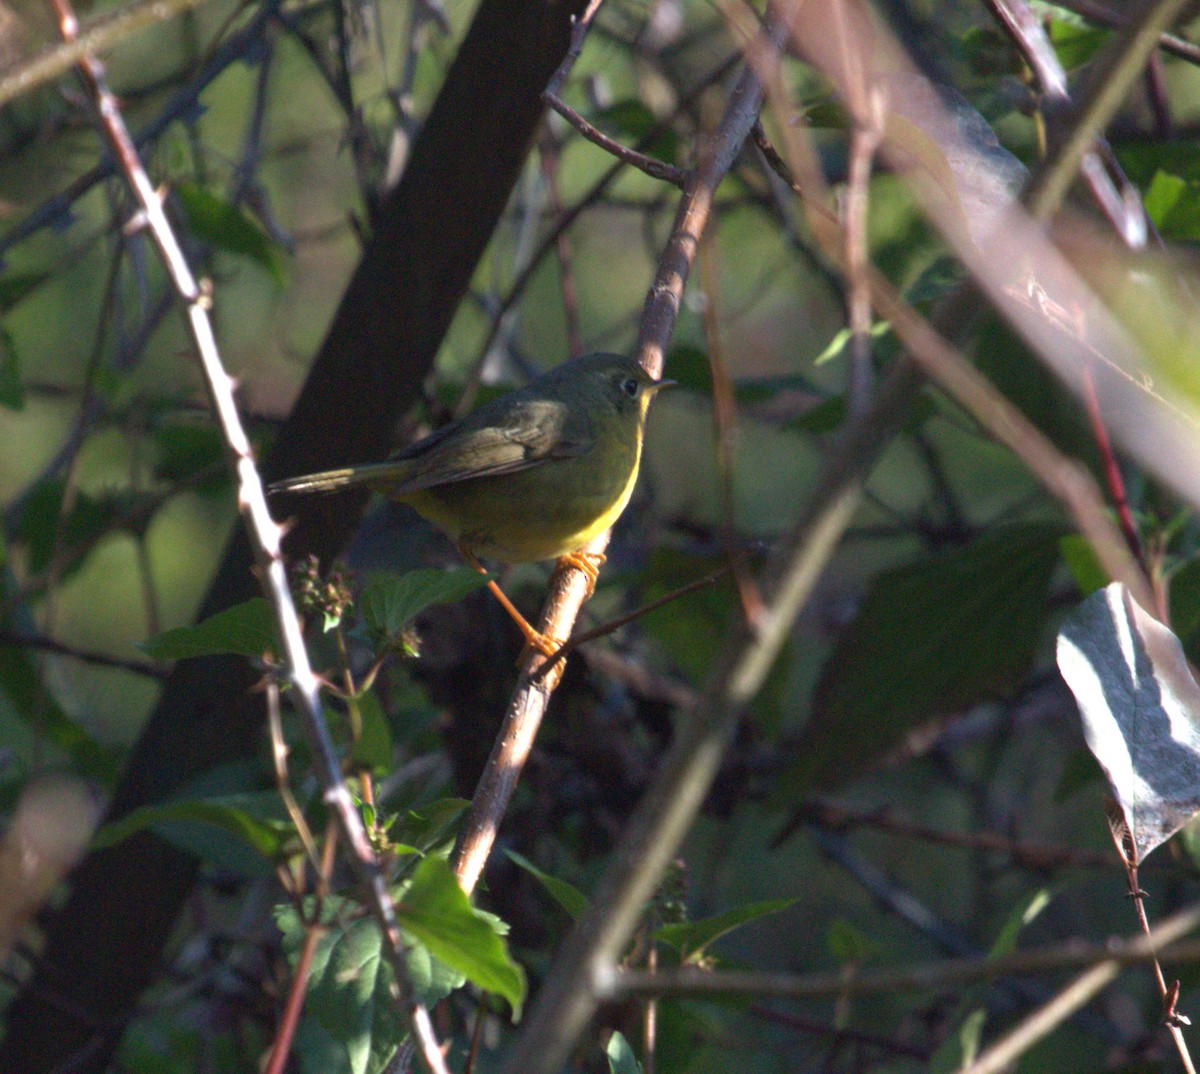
264 533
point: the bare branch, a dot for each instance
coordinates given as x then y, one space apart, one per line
568 586
51 645
656 169
1109 957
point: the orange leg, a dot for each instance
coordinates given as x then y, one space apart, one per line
588 562
544 644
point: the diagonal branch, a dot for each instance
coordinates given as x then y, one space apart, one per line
568 587
95 37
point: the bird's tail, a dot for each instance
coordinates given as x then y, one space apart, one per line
333 480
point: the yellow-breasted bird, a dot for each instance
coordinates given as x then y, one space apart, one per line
532 475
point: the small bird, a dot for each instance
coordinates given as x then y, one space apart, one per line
532 475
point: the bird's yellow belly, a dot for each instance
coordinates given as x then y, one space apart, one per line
540 513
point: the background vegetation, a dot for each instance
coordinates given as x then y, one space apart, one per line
395 228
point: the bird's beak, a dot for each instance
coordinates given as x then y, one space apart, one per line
658 385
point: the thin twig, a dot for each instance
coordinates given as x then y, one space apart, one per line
864 96
653 167
867 108
283 785
934 976
549 153
1169 993
1018 1040
51 645
579 30
724 412
612 625
1030 855
285 1033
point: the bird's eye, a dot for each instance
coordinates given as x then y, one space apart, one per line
630 387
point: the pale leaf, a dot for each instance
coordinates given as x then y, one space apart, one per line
1140 707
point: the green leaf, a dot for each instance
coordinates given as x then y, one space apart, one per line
239 815
1081 561
848 943
1027 908
216 221
389 602
961 1046
1174 206
1074 44
359 997
22 690
931 639
12 390
16 286
349 992
246 629
569 897
431 979
317 1052
49 532
621 1059
636 123
432 827
373 747
436 911
841 340
1185 606
185 448
690 938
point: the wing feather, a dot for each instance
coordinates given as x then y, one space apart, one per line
525 434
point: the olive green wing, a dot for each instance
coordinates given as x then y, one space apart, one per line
520 435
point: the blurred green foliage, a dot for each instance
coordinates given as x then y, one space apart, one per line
916 684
